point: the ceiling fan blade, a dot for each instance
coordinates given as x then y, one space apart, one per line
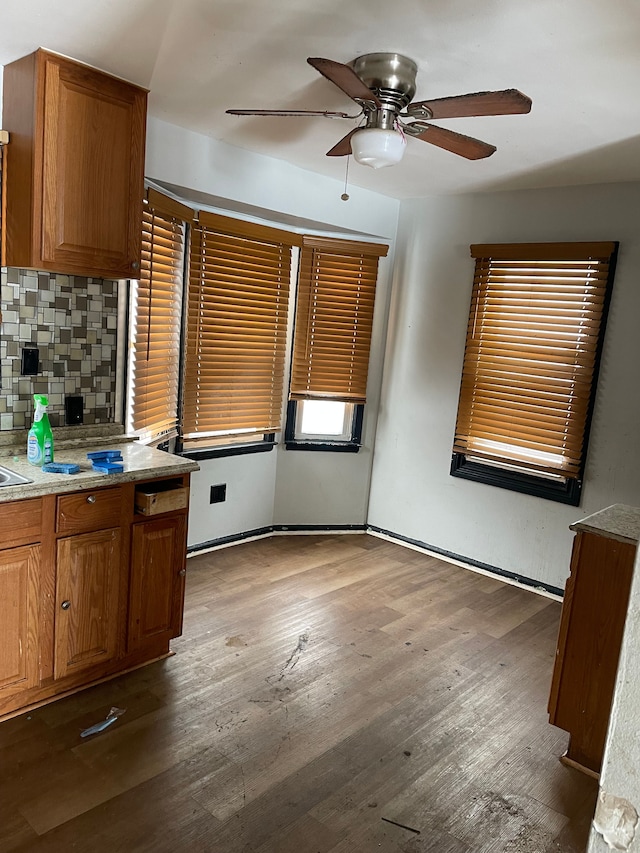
505 102
342 148
326 113
345 78
457 143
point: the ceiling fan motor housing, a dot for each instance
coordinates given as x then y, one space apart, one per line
391 76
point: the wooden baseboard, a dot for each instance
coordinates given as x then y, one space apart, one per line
25 709
569 762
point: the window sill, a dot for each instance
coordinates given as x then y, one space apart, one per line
229 450
566 492
324 446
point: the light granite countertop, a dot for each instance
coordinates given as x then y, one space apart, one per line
139 462
618 521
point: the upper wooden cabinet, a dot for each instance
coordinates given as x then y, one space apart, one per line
74 168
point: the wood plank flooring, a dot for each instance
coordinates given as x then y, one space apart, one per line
325 690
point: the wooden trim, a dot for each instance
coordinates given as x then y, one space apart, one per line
563 630
244 228
3 206
543 251
355 247
22 176
48 587
569 762
169 206
45 696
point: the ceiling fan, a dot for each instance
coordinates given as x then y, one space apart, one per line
383 84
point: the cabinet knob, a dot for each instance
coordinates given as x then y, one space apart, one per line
182 572
66 605
135 265
91 499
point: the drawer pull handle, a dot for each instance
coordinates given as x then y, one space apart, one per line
182 572
91 499
66 605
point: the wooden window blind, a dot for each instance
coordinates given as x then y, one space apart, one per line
236 327
334 317
533 342
155 325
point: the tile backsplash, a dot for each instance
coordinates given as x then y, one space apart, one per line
72 320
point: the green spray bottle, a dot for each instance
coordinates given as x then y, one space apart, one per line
40 438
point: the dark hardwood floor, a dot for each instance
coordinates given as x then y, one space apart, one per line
326 689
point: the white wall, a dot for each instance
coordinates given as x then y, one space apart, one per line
189 159
281 487
249 501
412 493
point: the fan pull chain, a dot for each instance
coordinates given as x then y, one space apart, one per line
345 194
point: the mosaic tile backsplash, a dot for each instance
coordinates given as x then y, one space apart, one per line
72 320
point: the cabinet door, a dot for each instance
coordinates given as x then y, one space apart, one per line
593 616
87 605
158 551
19 598
93 162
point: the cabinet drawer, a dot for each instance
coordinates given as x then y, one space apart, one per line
20 522
88 510
152 499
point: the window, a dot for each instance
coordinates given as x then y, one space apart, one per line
324 425
325 419
332 339
534 338
155 309
236 330
209 367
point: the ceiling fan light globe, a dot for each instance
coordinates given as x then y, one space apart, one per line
377 148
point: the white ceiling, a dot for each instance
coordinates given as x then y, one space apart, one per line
579 60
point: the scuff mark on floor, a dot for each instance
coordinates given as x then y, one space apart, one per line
294 657
500 816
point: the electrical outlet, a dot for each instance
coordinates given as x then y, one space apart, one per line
30 361
73 410
218 493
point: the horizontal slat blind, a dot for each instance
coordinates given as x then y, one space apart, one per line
533 338
236 330
156 307
334 317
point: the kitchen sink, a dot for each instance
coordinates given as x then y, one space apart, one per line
10 478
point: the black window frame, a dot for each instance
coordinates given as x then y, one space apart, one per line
351 445
263 445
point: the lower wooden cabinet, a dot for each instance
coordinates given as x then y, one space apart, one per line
592 623
19 626
88 580
89 587
158 555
